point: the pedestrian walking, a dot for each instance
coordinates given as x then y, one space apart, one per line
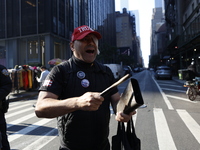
44 73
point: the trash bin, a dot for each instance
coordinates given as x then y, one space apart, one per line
182 74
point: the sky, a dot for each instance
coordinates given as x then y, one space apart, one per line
145 9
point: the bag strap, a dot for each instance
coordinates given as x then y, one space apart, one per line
130 127
134 141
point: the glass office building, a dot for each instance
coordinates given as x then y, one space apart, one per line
35 31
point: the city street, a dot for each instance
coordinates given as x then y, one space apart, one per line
169 122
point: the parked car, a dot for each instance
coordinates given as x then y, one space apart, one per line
138 69
163 72
151 69
128 70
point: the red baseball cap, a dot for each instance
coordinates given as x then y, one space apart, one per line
80 32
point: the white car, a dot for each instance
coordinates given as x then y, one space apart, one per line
163 72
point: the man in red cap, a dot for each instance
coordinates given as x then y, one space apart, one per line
71 92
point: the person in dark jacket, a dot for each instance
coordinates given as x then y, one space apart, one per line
191 73
5 89
71 92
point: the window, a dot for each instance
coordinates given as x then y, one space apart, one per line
32 51
28 18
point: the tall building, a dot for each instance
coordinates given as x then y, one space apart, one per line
137 21
158 3
34 31
156 22
127 41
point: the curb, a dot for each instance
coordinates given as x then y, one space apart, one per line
22 96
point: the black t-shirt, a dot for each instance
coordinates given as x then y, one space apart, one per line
82 130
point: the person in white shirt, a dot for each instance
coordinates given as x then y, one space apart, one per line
43 75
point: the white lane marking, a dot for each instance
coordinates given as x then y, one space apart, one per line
171 85
173 90
42 141
18 107
16 103
180 98
192 125
26 117
164 137
30 128
164 96
19 112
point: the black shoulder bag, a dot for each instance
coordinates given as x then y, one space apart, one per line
126 139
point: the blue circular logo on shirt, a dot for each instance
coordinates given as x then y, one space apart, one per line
80 74
85 83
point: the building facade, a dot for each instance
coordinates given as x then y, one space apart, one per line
183 32
127 41
33 32
156 22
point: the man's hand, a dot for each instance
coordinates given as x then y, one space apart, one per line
90 101
120 116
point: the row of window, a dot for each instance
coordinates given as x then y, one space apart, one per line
22 17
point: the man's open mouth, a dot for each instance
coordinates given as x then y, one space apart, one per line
90 51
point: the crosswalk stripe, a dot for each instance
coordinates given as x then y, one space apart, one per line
17 103
173 90
192 125
180 98
18 112
26 117
171 85
18 107
42 141
164 137
30 128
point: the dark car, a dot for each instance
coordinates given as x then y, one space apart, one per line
163 72
128 70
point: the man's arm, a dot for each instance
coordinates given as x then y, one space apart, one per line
48 106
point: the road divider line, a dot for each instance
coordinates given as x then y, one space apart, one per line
169 105
164 137
192 125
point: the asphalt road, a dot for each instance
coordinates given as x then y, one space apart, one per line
169 122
